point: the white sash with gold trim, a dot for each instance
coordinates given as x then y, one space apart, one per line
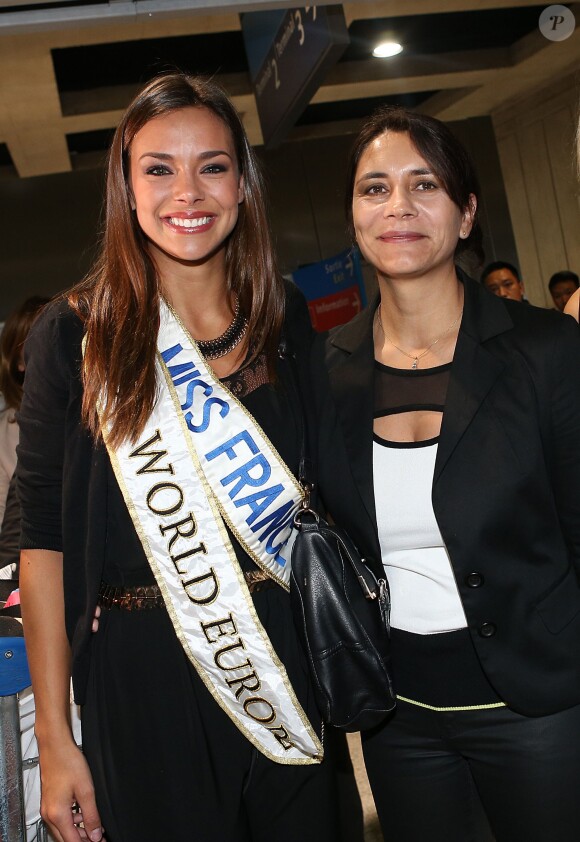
168 479
257 494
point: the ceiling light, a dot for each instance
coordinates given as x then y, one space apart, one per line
387 49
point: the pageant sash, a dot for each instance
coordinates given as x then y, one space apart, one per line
257 494
179 522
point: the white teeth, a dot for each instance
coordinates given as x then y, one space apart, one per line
189 223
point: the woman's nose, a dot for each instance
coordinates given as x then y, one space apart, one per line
188 187
399 202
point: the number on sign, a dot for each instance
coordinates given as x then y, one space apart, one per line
298 19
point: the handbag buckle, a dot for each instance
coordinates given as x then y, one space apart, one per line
305 506
305 510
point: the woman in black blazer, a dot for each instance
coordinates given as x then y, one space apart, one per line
450 450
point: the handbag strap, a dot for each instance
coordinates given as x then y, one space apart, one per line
305 469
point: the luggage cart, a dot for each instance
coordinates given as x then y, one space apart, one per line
14 677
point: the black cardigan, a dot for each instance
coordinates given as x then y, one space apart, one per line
64 475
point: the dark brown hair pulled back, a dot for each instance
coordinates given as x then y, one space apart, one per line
437 144
118 301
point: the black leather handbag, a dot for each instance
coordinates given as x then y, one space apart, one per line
341 613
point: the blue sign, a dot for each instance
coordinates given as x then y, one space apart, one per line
334 289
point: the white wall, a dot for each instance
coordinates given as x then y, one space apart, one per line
536 144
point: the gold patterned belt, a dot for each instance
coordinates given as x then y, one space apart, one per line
143 597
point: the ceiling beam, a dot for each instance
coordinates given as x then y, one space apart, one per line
124 11
403 8
545 60
118 97
30 112
373 77
245 105
75 19
104 32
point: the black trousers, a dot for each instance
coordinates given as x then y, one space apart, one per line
472 776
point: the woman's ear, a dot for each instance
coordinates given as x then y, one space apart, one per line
468 217
241 190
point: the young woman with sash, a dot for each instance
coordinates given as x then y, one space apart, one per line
157 482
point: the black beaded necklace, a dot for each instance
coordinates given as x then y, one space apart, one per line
212 349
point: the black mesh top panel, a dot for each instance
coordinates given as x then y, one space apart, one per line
407 390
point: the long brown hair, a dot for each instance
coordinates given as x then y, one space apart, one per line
119 299
439 147
15 332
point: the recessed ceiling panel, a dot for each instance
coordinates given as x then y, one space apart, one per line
126 62
443 33
97 140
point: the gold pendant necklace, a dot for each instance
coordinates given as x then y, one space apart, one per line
416 357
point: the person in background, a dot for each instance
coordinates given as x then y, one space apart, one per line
157 481
449 449
503 279
12 340
562 286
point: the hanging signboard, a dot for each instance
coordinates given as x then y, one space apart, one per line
307 42
334 289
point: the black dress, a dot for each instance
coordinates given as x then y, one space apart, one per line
167 762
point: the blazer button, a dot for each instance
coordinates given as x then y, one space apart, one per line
486 630
474 580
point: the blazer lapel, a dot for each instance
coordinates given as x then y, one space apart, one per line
474 369
473 373
352 386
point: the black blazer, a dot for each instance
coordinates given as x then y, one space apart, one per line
506 489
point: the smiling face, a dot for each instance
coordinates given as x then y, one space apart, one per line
185 186
405 223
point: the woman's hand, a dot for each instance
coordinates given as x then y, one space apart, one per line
68 804
65 778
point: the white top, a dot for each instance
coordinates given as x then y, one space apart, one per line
424 595
8 444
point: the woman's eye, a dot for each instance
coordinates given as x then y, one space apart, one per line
375 190
426 185
158 169
214 168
